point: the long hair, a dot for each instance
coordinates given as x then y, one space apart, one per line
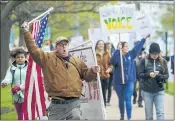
97 44
160 58
112 46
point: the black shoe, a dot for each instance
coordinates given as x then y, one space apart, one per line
122 118
134 101
140 105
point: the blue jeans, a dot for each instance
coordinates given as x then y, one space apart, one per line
158 100
124 93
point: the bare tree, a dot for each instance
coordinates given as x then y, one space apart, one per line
6 24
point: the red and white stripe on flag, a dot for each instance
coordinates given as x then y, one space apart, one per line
34 100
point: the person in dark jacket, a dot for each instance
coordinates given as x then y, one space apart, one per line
153 71
124 88
109 47
137 61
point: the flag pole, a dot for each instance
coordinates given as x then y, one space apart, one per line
49 10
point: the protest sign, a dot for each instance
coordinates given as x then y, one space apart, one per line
76 40
143 26
96 34
117 18
92 104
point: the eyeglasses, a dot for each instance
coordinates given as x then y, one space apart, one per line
63 44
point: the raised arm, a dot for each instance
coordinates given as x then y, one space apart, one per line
39 56
137 48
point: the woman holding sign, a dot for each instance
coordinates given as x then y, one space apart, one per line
103 60
124 86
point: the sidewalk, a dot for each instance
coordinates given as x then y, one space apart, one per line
138 113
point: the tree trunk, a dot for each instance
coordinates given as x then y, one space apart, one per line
5 38
21 34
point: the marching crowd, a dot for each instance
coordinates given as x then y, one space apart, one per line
63 74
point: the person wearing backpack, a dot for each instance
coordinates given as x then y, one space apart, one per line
16 76
154 72
125 89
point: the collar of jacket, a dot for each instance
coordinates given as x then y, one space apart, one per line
66 58
15 64
151 59
97 53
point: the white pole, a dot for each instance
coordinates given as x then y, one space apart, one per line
121 61
99 84
49 10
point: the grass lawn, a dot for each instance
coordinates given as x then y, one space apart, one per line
170 89
6 101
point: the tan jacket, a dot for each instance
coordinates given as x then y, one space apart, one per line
58 80
104 63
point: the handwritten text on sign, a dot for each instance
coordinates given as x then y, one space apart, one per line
90 89
117 19
91 106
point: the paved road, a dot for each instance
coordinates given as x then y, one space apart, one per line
139 113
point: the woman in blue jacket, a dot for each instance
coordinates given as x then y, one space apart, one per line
125 90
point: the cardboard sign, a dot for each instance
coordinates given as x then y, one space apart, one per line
92 104
118 18
143 26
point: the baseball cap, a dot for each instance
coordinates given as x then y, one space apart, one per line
59 39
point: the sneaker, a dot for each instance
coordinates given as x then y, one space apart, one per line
140 105
122 118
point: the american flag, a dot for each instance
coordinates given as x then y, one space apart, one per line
34 100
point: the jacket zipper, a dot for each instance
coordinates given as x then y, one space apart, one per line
20 75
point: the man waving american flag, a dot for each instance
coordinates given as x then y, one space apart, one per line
34 100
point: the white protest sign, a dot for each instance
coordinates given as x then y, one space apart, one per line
143 26
118 18
76 40
96 34
92 104
130 38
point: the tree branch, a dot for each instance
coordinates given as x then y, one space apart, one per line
8 9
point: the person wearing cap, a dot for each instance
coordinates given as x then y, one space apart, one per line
124 88
16 76
62 76
154 72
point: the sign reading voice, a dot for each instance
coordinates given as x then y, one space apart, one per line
118 18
